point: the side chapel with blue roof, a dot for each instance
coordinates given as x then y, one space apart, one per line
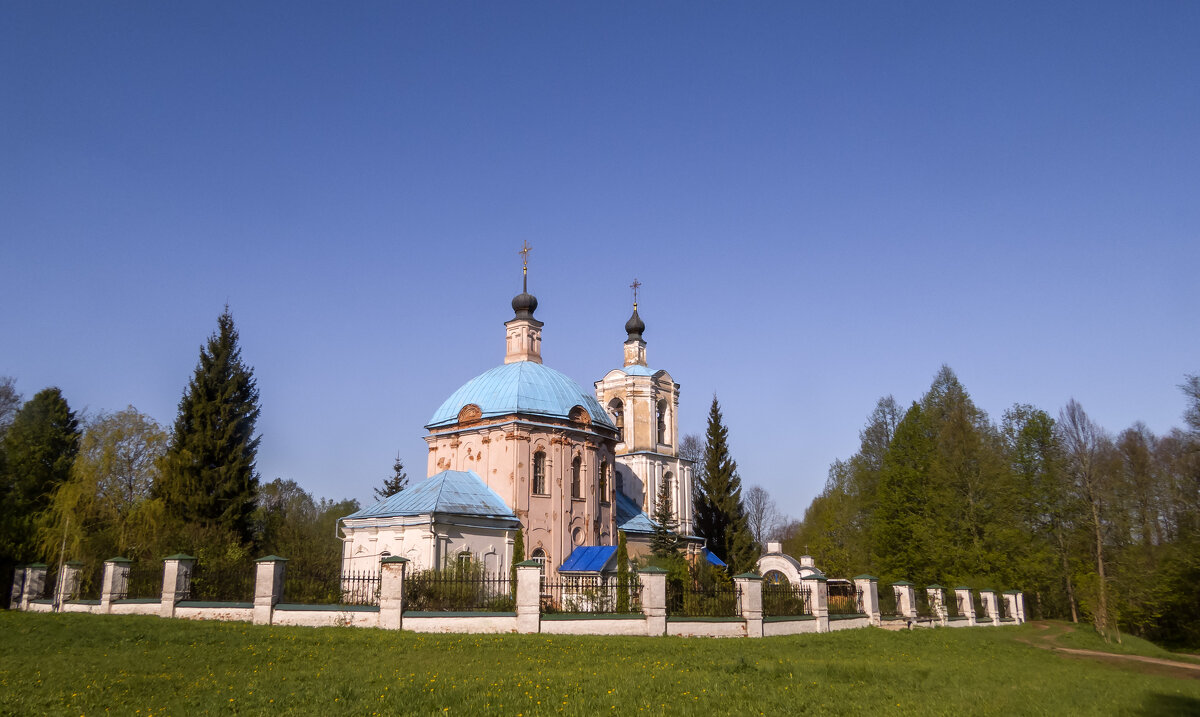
524 445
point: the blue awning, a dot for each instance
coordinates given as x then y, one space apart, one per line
708 555
588 559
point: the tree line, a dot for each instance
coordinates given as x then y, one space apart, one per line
119 484
1090 525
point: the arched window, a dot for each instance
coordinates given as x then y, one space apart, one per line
539 473
774 577
576 487
617 409
602 482
464 559
669 482
539 556
662 421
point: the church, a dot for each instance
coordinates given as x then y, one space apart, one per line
524 446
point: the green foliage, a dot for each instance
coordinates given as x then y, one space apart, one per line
1087 526
103 509
40 447
623 579
664 541
458 586
209 475
518 556
720 515
291 523
395 483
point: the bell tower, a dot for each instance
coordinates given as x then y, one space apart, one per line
643 403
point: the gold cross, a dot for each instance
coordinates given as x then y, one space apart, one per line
525 249
635 286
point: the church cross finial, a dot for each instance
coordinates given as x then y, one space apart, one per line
635 286
525 249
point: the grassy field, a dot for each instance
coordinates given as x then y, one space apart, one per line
87 665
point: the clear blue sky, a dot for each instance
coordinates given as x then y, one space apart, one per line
824 205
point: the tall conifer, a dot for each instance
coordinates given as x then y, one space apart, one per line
720 515
209 478
664 541
41 445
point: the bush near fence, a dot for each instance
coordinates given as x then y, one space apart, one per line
698 601
783 599
592 594
458 588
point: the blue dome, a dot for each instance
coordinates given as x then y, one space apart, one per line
520 387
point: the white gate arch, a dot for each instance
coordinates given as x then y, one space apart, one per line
775 560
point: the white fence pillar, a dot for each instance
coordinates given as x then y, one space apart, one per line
869 585
906 604
937 602
654 599
35 584
818 593
391 592
1010 605
1021 606
18 588
114 583
67 587
989 604
963 593
268 587
177 580
529 596
750 606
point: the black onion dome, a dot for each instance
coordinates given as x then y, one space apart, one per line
524 304
635 326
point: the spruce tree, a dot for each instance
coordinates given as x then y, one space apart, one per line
209 478
664 541
623 580
720 515
395 483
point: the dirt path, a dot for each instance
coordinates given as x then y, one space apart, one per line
1047 639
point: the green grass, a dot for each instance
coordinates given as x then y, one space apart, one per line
83 665
1085 637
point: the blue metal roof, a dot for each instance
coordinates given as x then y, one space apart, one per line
520 387
457 492
588 559
631 518
636 370
713 559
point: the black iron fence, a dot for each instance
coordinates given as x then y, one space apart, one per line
686 601
953 603
785 600
50 585
144 581
889 604
222 582
1002 606
591 594
845 598
91 582
322 585
980 611
458 590
924 604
